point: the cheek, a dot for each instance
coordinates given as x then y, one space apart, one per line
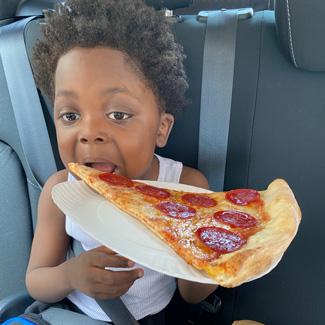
143 138
65 145
137 150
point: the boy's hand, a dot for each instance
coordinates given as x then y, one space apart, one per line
87 273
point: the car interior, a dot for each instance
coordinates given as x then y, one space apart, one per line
256 115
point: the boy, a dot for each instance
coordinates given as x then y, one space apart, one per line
116 78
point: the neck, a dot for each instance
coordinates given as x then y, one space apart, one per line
153 171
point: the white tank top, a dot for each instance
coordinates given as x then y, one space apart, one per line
149 294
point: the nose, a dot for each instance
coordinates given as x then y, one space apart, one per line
97 139
93 133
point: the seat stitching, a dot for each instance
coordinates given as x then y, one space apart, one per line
290 36
34 185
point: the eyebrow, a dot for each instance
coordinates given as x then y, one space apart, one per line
117 90
108 91
66 93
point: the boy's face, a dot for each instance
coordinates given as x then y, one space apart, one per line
105 115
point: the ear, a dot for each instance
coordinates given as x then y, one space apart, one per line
165 127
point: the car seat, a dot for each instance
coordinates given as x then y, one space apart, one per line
15 210
276 130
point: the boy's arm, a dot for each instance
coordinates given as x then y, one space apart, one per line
50 278
193 292
45 277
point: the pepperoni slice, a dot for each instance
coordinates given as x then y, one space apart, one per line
220 240
235 219
156 192
242 196
199 200
176 210
115 179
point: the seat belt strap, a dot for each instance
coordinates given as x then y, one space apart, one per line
25 101
114 308
216 94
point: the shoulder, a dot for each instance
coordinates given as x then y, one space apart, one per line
191 176
56 178
47 209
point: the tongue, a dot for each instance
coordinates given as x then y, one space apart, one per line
104 167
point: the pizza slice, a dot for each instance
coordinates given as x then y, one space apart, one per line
233 237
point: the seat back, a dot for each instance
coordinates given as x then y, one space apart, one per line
276 130
15 222
287 135
15 210
18 191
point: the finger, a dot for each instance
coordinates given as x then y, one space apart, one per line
111 284
102 260
119 278
104 249
109 292
114 289
108 251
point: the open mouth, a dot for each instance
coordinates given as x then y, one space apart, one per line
106 167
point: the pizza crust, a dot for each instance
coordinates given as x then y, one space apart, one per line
263 250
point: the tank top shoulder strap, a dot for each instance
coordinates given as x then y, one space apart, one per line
70 177
169 170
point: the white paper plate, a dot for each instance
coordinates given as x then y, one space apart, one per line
121 232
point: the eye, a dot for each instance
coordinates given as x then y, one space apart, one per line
69 117
119 116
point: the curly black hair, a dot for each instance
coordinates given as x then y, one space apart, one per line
130 26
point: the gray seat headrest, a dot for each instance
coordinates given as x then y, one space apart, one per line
168 4
301 29
35 7
8 8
